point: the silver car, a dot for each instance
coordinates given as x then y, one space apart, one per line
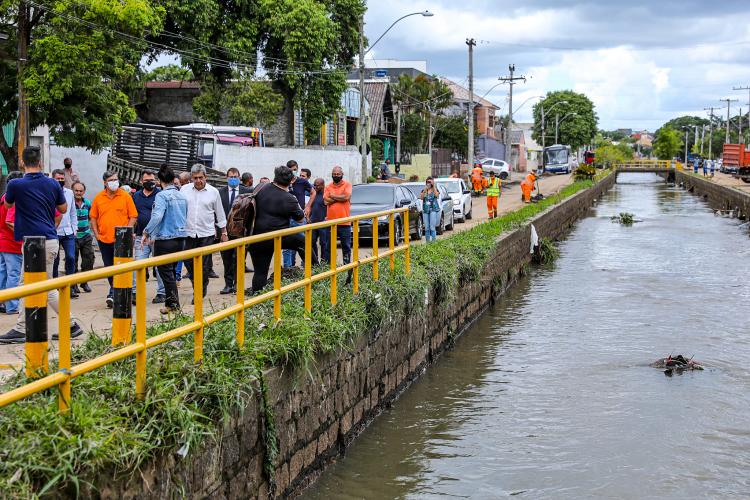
446 217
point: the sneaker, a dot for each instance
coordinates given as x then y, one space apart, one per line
110 302
13 337
159 299
85 287
75 289
74 294
75 331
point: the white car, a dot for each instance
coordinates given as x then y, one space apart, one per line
461 196
500 167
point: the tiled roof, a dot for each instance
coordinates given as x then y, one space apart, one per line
174 84
375 93
462 94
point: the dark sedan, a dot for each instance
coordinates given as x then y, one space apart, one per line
376 197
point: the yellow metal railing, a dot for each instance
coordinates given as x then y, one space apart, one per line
66 373
648 164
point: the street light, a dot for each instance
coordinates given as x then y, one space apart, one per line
558 122
362 138
544 159
527 100
686 128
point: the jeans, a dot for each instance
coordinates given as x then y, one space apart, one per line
108 258
68 244
52 248
85 248
262 254
141 252
290 256
431 220
191 243
167 271
10 276
178 270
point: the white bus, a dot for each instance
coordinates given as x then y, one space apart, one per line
558 159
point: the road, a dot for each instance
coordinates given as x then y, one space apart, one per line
93 315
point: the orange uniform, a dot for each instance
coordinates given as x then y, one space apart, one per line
493 193
527 186
476 179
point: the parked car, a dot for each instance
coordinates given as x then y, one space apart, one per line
500 167
368 198
447 219
461 195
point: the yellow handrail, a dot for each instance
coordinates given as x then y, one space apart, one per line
66 373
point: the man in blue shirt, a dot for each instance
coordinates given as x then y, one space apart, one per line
36 198
144 204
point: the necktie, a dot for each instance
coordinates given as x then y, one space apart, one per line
231 200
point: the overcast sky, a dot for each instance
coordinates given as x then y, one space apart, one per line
641 62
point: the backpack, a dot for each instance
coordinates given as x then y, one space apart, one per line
241 219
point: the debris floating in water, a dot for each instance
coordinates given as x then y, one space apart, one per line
676 364
625 218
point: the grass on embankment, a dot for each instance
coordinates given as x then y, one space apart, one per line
109 432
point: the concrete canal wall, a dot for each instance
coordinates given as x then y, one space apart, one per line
717 196
317 416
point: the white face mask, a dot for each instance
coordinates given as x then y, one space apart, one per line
113 185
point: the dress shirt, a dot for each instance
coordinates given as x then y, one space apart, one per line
69 222
204 207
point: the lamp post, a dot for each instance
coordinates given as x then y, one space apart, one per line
544 160
687 131
362 53
558 122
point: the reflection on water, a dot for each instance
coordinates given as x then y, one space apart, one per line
550 395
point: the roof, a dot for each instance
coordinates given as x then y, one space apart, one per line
375 93
174 84
462 94
516 136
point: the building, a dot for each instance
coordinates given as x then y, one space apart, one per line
518 158
391 69
533 148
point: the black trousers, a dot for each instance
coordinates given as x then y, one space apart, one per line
191 243
85 249
229 259
166 271
262 255
108 258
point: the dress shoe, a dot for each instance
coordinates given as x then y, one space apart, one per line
249 269
2 308
75 289
13 337
159 299
227 290
75 331
85 287
73 294
212 274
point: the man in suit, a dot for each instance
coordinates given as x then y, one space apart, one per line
228 194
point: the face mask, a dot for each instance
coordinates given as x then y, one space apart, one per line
62 184
233 182
113 185
149 185
337 178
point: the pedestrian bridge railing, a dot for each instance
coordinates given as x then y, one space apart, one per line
37 366
649 165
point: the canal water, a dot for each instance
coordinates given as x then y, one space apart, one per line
550 394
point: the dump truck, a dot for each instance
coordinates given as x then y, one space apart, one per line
736 160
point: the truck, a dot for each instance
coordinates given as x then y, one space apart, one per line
736 160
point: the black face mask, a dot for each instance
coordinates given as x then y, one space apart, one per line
337 178
62 184
149 185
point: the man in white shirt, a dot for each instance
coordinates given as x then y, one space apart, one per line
66 232
205 212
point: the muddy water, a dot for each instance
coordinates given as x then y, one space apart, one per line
550 394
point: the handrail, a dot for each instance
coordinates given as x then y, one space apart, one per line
66 373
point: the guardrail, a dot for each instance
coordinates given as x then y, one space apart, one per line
649 164
66 373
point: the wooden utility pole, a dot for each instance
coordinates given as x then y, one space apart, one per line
470 149
22 125
710 130
510 80
728 101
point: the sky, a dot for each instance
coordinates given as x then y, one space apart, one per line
642 62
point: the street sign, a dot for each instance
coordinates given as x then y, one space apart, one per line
380 73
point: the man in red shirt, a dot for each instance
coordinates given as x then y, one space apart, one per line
337 197
10 252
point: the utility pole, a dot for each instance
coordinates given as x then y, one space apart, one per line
687 131
703 137
510 80
710 130
362 122
748 102
470 149
726 141
23 35
398 134
739 119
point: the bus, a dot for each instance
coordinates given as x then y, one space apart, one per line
558 159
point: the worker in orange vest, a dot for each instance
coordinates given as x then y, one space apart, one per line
476 178
493 193
527 186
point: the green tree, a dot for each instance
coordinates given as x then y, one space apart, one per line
246 102
422 99
451 133
576 130
78 71
668 144
168 73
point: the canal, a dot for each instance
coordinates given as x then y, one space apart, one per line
550 393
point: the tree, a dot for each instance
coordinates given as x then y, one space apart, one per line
422 99
668 144
78 70
168 73
247 103
576 130
451 132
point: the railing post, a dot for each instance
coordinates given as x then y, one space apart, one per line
407 242
391 240
308 270
63 348
334 278
140 333
355 256
277 277
35 306
375 274
198 306
240 316
122 311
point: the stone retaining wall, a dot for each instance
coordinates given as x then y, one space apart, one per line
317 417
718 196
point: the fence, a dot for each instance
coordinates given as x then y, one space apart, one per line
36 294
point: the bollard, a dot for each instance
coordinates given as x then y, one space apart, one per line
122 312
34 271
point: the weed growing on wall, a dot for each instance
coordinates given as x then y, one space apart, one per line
109 432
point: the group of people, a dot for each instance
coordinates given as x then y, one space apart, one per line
708 165
170 213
